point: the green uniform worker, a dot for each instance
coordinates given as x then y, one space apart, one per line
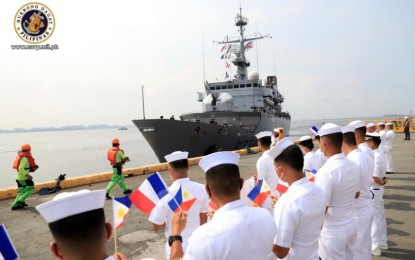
24 164
118 159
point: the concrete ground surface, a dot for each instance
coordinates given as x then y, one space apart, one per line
136 240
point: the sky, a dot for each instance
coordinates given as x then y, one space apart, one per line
333 59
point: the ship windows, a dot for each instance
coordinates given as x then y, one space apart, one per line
255 85
212 88
217 87
242 85
248 85
230 87
235 86
224 87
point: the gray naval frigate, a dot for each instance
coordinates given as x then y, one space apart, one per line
233 110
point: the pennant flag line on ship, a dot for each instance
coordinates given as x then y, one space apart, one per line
183 200
149 193
259 193
282 187
249 45
120 208
7 250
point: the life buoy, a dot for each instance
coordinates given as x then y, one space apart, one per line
112 155
32 165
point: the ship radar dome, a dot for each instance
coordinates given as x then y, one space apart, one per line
254 76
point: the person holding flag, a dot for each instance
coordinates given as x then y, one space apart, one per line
77 223
185 195
299 214
236 231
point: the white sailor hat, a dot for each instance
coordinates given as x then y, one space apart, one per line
276 130
280 147
348 129
405 117
370 125
381 124
389 123
263 134
373 135
357 124
329 128
305 138
175 156
67 204
218 158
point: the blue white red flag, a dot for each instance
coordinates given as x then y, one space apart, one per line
314 130
183 200
282 187
259 193
149 193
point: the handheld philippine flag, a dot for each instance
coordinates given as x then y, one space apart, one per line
149 193
7 250
120 207
259 193
314 130
183 200
212 205
282 187
311 175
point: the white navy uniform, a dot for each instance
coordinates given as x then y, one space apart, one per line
163 214
311 161
323 159
382 135
299 215
235 232
390 136
363 204
365 148
379 219
339 179
266 171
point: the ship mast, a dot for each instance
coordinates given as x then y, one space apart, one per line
240 60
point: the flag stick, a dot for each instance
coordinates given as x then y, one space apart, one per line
115 229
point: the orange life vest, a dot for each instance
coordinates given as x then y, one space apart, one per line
112 155
32 165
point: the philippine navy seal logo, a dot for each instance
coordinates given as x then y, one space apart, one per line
34 23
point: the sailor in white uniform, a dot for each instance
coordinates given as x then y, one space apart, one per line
319 154
390 137
382 133
370 128
162 215
298 220
360 135
77 223
339 179
265 167
274 136
236 231
311 160
379 229
363 204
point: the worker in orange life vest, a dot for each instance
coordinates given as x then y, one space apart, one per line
24 164
118 159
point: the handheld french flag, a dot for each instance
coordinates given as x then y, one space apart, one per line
259 193
314 130
120 207
282 187
7 250
311 175
149 193
183 200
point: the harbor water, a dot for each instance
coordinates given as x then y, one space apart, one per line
82 152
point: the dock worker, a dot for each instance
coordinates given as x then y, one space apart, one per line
382 133
117 159
370 128
339 179
297 220
24 164
363 204
77 223
406 125
311 160
274 136
360 135
236 230
390 137
379 232
265 166
161 215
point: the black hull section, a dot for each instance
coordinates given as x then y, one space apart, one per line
166 136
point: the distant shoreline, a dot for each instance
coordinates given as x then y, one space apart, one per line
62 128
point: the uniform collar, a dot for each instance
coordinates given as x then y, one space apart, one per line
179 181
299 182
337 156
229 206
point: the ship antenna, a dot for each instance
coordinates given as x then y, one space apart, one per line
203 53
273 53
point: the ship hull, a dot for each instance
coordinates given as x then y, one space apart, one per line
200 138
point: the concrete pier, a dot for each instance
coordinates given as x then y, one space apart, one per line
31 235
